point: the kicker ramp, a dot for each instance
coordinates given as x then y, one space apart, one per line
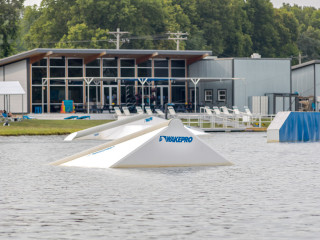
121 128
167 144
294 127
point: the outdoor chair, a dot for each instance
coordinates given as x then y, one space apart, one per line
159 112
216 110
148 110
126 111
139 110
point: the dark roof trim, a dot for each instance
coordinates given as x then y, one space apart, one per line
305 64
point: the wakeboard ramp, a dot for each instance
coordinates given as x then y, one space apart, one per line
121 128
167 144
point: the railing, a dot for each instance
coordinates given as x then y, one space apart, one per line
206 121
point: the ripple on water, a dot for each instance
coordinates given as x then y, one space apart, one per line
271 192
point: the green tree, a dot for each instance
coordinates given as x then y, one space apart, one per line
9 24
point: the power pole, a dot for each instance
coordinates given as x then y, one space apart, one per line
177 37
118 40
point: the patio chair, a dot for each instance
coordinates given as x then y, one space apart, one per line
225 111
139 110
171 110
118 111
126 111
159 112
216 110
208 110
148 110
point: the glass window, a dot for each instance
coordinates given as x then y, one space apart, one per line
94 63
42 62
127 72
222 95
57 94
161 63
144 72
127 63
93 72
38 74
75 72
57 62
57 72
110 72
178 94
75 62
177 64
37 95
76 94
110 62
178 73
208 95
161 72
145 64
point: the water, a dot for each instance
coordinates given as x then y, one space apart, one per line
271 192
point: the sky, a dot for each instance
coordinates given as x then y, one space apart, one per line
276 3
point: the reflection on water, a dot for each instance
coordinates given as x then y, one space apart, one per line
271 192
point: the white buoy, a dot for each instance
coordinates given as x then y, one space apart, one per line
167 144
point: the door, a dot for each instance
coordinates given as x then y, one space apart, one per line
110 94
161 95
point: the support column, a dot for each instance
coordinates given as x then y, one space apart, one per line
119 83
48 84
169 87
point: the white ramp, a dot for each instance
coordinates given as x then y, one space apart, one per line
121 128
168 144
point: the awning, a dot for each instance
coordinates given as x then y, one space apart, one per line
11 88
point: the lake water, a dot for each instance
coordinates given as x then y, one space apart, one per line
271 192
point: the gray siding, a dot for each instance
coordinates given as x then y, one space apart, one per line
16 72
215 68
303 81
1 97
261 76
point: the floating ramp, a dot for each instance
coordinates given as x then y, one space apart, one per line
121 128
167 144
294 127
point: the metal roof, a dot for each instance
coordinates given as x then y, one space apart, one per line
305 64
11 88
91 54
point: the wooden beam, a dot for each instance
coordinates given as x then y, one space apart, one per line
146 58
39 57
195 59
93 57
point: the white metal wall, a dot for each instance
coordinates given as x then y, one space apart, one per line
16 72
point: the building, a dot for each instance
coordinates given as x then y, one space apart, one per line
103 77
305 82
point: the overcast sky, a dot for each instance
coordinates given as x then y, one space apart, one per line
276 3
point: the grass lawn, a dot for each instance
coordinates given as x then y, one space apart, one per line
47 127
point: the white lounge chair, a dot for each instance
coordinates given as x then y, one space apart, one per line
171 110
159 112
126 111
225 111
139 110
208 110
216 110
118 111
236 111
148 110
247 110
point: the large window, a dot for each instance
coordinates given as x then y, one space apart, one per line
75 69
93 68
178 68
145 69
161 68
110 67
127 68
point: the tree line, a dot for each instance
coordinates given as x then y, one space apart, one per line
229 28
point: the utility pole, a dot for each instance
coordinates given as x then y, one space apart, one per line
177 37
300 57
118 40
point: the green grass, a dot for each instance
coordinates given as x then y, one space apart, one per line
47 127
